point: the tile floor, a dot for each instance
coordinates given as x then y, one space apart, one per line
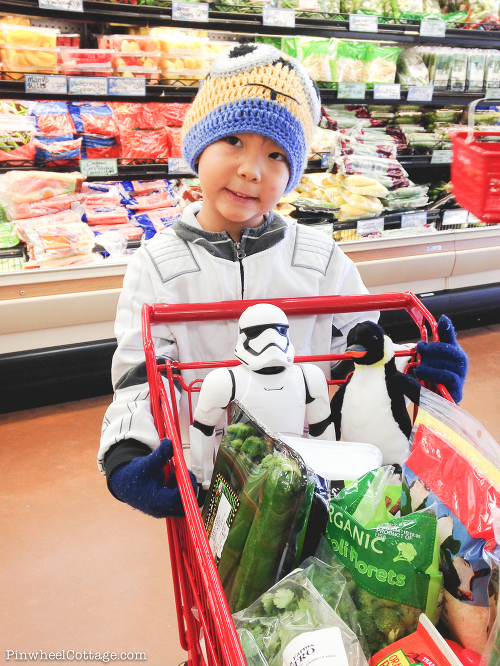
81 571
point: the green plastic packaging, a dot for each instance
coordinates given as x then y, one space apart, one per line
348 63
315 53
8 236
380 64
492 74
475 71
411 69
458 74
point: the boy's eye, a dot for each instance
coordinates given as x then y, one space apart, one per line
279 157
233 140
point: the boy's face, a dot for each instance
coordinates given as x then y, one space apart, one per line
242 176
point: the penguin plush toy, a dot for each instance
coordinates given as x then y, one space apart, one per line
371 407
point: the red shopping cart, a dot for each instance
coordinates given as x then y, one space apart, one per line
195 579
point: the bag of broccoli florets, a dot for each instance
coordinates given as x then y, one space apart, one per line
390 562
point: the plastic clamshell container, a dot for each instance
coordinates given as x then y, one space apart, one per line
24 35
86 70
214 49
64 41
336 461
133 43
189 63
136 61
28 58
10 73
77 58
151 75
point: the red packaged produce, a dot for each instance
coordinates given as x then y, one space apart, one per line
156 114
176 139
95 146
93 118
52 118
150 201
111 197
60 219
129 230
135 187
72 40
143 144
106 215
43 207
128 115
55 153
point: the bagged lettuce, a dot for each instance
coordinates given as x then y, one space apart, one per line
393 561
380 64
452 451
314 54
349 62
411 69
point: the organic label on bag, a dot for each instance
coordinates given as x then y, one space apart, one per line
223 507
321 648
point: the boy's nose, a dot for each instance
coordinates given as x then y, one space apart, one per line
250 170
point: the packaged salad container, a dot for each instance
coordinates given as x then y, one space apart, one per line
492 74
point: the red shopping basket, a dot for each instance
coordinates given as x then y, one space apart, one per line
475 171
196 582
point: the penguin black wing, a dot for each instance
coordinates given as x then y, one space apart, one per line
336 409
398 386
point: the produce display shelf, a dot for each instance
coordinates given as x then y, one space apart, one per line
407 161
329 96
248 20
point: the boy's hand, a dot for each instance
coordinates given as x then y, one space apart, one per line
444 362
141 483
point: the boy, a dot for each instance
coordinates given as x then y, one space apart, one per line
247 135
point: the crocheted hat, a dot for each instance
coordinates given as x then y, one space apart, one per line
258 89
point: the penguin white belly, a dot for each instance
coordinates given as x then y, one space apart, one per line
367 415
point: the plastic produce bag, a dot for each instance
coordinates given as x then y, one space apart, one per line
44 207
353 164
140 187
349 63
145 144
52 118
255 509
153 221
393 562
8 236
106 215
25 186
53 153
367 203
451 450
380 64
475 70
55 241
60 219
280 628
93 118
156 199
358 184
314 54
411 69
95 146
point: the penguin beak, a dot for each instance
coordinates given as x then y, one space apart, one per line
356 351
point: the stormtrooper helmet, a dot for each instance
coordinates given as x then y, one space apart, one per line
263 338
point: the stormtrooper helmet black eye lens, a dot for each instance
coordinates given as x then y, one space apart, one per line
282 330
254 331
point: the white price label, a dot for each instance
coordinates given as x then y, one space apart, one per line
279 18
87 85
365 227
178 165
310 5
442 157
326 160
413 220
492 93
434 248
432 28
420 94
117 85
387 91
64 5
351 91
104 167
458 216
362 23
190 11
41 83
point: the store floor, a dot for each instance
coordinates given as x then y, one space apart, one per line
81 571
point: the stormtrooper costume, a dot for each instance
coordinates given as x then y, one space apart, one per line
278 393
185 264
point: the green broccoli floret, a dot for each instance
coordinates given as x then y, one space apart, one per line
374 637
388 619
255 447
240 431
409 618
237 444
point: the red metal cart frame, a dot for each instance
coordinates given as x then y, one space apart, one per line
195 579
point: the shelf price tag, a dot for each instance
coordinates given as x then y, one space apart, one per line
64 5
362 23
442 157
190 11
413 220
387 91
87 85
420 93
41 83
278 18
117 85
351 91
492 93
366 227
455 217
432 28
104 167
178 165
326 160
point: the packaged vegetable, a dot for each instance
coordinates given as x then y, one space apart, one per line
156 199
411 69
441 69
458 75
348 212
409 9
156 220
16 133
54 241
380 63
52 118
255 509
351 164
25 186
93 118
8 237
483 11
392 562
349 63
293 623
405 204
323 141
44 207
95 146
451 450
60 219
106 215
358 184
145 144
492 75
314 53
53 153
370 204
475 70
407 192
135 187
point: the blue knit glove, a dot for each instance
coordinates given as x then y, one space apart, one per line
141 483
444 362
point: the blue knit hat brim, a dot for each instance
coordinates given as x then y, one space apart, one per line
255 116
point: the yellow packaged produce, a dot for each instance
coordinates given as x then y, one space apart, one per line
15 35
29 57
358 184
348 212
371 204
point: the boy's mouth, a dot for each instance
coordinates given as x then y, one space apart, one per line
239 196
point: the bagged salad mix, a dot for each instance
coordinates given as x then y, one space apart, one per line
450 451
314 54
256 508
348 64
380 64
392 561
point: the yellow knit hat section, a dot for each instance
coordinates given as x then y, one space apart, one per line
260 83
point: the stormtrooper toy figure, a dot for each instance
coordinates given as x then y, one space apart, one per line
278 393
